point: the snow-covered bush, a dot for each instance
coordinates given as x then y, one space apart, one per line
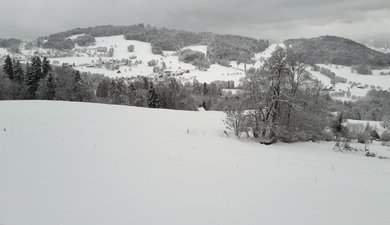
363 137
286 136
385 136
152 63
327 135
235 117
130 48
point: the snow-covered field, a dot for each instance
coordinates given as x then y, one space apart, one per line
93 164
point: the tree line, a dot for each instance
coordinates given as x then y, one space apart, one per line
38 79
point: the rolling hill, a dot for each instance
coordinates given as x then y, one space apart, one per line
337 50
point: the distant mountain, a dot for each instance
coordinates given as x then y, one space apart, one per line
221 48
337 50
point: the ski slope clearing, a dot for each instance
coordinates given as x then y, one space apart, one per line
92 164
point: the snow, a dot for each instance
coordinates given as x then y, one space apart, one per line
216 72
143 52
375 79
319 76
3 51
93 164
199 48
73 37
268 52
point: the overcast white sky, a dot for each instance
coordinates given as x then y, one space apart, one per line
271 19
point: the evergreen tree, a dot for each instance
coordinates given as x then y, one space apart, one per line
36 66
77 87
18 72
102 89
8 67
120 91
112 90
146 83
132 94
32 78
153 99
205 89
50 87
46 67
204 105
338 128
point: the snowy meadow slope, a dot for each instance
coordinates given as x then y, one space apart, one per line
80 163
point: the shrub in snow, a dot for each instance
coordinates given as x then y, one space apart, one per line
157 50
235 117
286 136
359 132
363 137
102 49
110 52
152 63
385 136
374 135
386 121
327 135
156 69
130 48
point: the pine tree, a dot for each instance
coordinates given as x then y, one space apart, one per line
205 89
77 86
32 79
112 90
18 72
153 99
50 87
8 67
36 66
132 95
46 67
102 89
121 91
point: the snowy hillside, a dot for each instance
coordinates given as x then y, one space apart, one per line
358 85
87 59
122 63
92 164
